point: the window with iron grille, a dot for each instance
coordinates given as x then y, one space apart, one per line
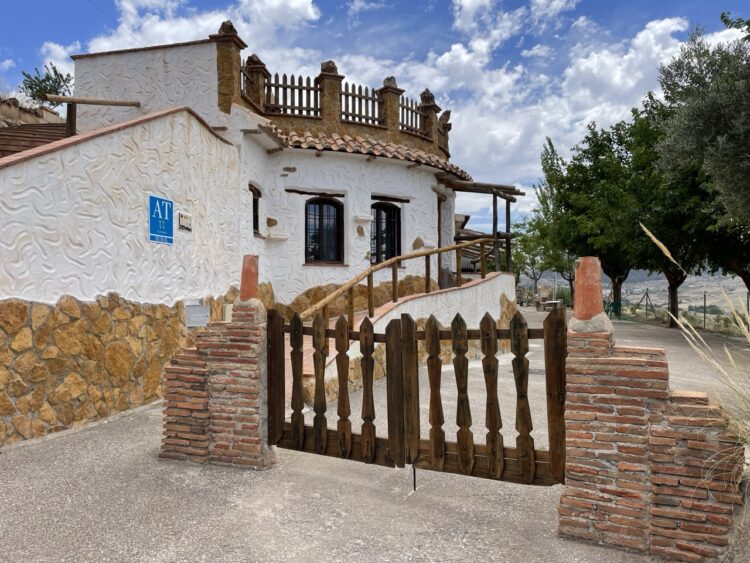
385 232
324 230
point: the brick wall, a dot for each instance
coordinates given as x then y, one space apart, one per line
215 396
647 469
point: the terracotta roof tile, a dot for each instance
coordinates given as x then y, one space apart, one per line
24 137
360 145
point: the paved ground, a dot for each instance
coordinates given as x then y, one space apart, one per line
102 493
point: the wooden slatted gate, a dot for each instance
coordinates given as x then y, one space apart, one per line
405 444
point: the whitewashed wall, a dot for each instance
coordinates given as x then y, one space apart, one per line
75 221
358 179
472 301
159 78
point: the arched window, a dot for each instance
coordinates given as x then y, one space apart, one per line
385 232
324 230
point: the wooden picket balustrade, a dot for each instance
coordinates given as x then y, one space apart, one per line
290 95
411 117
359 105
394 263
404 444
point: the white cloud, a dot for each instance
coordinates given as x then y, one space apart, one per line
268 25
502 112
7 64
539 50
59 55
724 36
546 10
486 26
357 6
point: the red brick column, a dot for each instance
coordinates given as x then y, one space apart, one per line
237 403
215 400
186 408
647 470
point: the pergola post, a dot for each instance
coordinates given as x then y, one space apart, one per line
508 264
495 245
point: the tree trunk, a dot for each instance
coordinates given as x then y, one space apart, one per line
570 278
675 277
617 282
572 290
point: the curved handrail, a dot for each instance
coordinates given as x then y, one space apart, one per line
313 309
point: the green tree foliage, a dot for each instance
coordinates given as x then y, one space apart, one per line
38 85
585 209
672 207
736 23
548 222
528 254
708 90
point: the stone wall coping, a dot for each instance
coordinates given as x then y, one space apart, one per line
90 135
138 49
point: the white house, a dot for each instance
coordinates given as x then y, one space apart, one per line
176 161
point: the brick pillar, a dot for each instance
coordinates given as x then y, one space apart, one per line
638 473
237 405
228 63
390 97
329 81
186 408
215 400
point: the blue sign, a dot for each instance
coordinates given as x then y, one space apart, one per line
160 220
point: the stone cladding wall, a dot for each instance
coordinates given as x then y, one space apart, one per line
74 362
647 469
215 397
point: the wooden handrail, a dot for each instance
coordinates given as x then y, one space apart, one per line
313 309
90 101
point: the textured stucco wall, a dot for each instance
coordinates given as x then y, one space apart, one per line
158 78
76 220
471 301
358 179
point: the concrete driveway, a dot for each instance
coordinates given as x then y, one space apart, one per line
102 493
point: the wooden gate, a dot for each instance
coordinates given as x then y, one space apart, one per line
405 444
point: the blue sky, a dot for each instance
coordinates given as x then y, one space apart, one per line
512 72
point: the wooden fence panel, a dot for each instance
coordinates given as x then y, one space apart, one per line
555 352
394 392
411 387
342 367
275 376
434 369
298 419
519 346
367 348
465 438
493 420
320 424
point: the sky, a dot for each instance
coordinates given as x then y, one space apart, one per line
512 72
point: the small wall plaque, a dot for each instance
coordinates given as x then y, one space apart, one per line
197 315
185 222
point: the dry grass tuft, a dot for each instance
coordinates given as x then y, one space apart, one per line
734 376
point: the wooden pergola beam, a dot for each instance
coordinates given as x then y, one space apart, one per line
90 101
